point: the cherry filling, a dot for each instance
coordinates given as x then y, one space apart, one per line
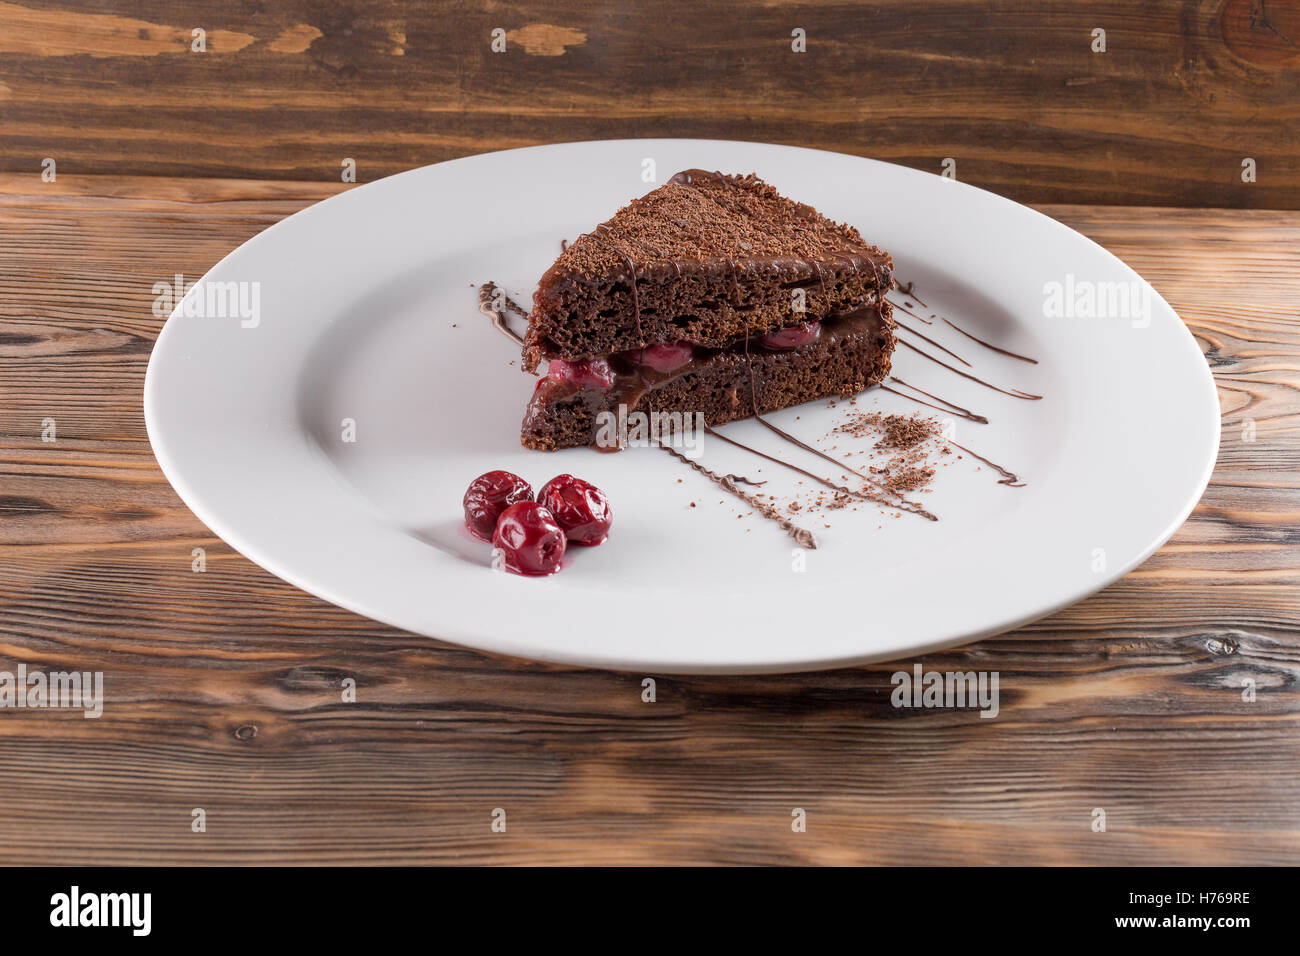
667 357
793 336
590 373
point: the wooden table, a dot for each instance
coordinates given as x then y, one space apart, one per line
223 686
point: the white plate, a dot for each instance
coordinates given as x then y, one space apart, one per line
367 313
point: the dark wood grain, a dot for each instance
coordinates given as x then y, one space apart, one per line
224 687
1012 91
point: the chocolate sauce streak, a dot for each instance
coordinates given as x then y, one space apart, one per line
564 245
1014 393
907 291
487 294
1008 479
951 406
802 536
987 345
902 308
933 342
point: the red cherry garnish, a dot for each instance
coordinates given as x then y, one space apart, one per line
793 336
579 507
529 540
488 496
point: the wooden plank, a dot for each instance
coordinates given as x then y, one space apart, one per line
1012 91
224 687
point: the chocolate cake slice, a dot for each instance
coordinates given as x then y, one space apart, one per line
711 294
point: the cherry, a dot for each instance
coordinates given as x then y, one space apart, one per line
591 373
528 539
666 357
793 336
488 496
581 508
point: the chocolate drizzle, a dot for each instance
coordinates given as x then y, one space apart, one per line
951 406
599 235
902 308
802 536
907 291
908 328
1014 393
487 304
987 345
1008 479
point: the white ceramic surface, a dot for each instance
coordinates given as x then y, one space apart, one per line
367 312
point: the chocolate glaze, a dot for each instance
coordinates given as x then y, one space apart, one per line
727 268
1014 393
1014 355
689 177
1008 479
486 304
951 406
728 482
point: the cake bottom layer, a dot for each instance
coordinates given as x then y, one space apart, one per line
851 353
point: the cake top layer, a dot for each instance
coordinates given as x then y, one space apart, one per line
699 216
